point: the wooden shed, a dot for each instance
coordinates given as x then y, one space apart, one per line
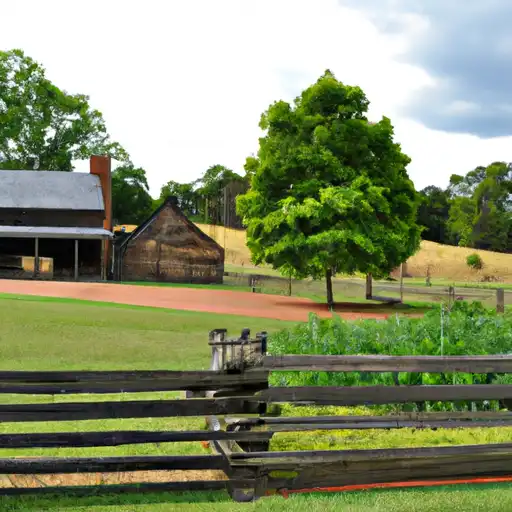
169 247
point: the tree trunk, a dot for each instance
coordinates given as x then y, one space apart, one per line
369 288
328 280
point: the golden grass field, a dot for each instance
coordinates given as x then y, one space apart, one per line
445 261
448 262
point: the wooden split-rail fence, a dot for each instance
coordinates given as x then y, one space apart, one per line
235 398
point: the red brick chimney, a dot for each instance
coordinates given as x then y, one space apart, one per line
101 166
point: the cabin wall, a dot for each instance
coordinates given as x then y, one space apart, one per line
55 218
170 251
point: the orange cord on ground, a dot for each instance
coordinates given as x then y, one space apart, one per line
394 485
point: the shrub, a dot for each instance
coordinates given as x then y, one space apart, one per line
474 261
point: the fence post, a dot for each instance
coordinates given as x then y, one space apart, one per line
216 361
402 283
500 300
219 336
262 337
451 296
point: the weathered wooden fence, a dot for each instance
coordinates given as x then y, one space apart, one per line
273 471
234 396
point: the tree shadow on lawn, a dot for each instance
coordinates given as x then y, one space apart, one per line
369 309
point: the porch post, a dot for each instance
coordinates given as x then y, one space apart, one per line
103 273
76 260
36 258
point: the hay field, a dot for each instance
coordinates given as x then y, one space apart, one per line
448 262
233 241
445 261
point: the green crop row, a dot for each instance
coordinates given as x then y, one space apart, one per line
466 329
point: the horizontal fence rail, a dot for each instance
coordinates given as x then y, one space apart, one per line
381 363
236 401
126 409
321 456
427 420
324 469
379 395
52 383
250 404
126 437
56 465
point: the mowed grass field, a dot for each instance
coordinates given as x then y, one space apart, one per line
54 334
444 262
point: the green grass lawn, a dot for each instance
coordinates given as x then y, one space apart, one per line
464 498
43 333
57 334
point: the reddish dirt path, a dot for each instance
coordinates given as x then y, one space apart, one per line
188 299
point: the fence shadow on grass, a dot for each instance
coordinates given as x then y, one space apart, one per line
104 499
65 502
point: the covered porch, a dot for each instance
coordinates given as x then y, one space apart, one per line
75 252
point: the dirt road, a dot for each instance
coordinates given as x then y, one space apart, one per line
188 299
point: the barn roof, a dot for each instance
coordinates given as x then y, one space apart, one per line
50 190
170 202
78 233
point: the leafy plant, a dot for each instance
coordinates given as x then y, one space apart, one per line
468 329
474 261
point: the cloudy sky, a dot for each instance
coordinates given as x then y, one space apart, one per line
182 84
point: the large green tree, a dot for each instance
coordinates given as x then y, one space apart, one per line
42 126
215 178
185 193
331 192
433 214
131 201
480 215
210 189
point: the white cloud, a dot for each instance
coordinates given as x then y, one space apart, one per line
182 84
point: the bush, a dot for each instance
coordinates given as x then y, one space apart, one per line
474 261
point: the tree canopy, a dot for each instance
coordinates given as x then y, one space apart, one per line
475 210
42 126
433 214
480 214
131 201
215 179
185 194
203 199
330 192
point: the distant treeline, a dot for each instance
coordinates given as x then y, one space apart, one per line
474 211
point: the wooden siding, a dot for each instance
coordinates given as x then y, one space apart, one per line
58 218
169 248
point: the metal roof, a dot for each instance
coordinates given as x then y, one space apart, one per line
54 232
50 190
